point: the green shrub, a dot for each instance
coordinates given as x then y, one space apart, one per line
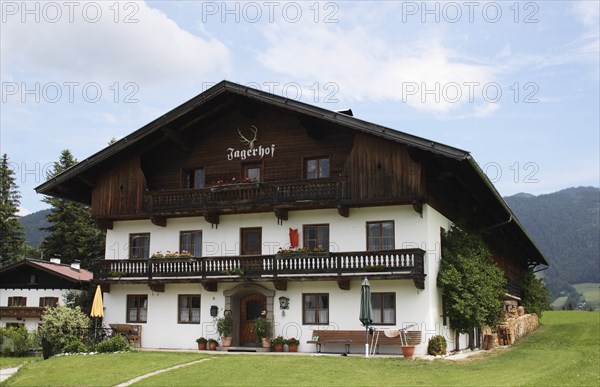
114 344
74 346
14 341
436 346
60 326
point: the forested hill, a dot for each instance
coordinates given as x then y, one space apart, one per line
565 226
32 224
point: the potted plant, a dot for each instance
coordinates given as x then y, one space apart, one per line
201 343
292 344
278 343
262 329
405 341
212 344
225 329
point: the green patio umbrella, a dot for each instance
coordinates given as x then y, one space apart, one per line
365 311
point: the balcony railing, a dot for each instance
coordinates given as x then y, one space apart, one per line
406 262
246 193
21 311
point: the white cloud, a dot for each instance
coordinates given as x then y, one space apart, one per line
23 211
422 73
588 12
154 49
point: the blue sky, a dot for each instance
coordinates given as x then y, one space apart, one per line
514 83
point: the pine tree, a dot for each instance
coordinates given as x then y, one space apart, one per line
74 236
12 238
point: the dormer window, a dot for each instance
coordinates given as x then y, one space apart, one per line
316 168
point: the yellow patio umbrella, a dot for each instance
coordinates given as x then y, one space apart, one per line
97 307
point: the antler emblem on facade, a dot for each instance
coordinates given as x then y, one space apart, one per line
245 140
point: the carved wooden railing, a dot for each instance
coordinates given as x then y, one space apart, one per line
21 311
405 261
252 193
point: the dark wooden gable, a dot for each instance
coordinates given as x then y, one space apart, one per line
27 276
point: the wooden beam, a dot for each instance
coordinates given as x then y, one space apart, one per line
106 224
210 286
212 218
343 283
418 207
419 283
178 139
281 214
280 284
160 221
343 210
159 288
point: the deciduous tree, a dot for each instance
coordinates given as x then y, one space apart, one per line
473 285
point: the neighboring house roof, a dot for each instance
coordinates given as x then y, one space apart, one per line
63 271
467 177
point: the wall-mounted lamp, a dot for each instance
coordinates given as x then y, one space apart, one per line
284 303
214 311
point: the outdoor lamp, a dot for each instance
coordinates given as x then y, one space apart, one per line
214 311
284 303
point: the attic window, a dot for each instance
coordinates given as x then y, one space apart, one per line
316 168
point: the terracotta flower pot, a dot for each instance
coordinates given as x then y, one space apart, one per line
265 343
278 347
292 347
226 341
212 345
408 351
202 346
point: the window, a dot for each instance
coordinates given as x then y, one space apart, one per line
139 246
316 235
48 301
315 308
15 325
189 309
191 241
316 168
193 178
137 308
384 308
380 236
251 241
17 301
251 171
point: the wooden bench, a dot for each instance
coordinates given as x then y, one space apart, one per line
333 336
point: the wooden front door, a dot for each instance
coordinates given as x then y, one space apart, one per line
251 308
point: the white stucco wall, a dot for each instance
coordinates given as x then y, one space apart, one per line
413 306
33 299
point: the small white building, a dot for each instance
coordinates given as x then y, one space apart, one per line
26 287
234 175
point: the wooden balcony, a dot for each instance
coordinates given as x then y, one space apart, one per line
279 268
21 311
251 195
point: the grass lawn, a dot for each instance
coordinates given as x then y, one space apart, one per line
564 351
559 302
591 292
8 362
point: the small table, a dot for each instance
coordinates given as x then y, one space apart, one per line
133 333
